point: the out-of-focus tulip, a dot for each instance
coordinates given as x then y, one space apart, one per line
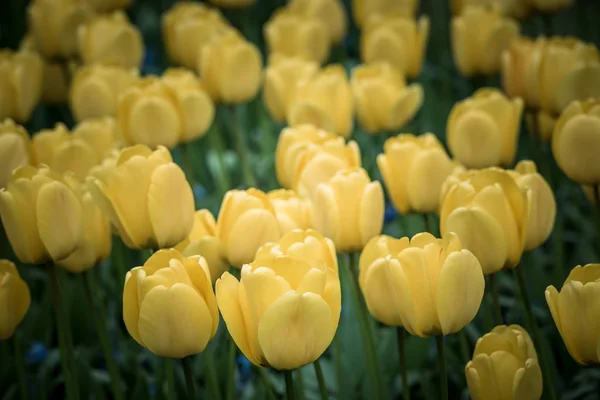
330 12
146 197
362 9
292 211
542 124
576 313
292 35
482 130
520 69
41 215
15 149
21 76
100 133
383 100
284 311
14 297
95 90
576 141
479 36
246 221
489 213
232 3
515 8
325 100
504 366
348 209
108 5
110 40
202 241
396 40
550 5
413 170
169 306
430 286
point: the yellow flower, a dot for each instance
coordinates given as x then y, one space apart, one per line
489 213
479 36
56 79
246 221
169 306
14 297
111 40
576 313
348 209
413 170
231 68
202 241
397 40
520 69
108 5
576 141
325 100
430 286
95 90
284 310
483 130
330 12
551 5
383 100
232 3
15 149
504 366
146 197
292 35
292 210
515 8
362 9
41 215
21 76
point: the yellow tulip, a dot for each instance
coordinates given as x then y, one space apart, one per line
489 213
576 313
551 5
232 3
56 78
292 210
383 100
520 69
479 36
515 8
202 241
108 5
111 40
430 286
15 149
95 90
504 366
397 40
348 209
283 312
41 214
146 197
21 75
330 12
231 68
169 306
413 170
14 297
325 100
483 130
100 133
576 141
362 9
292 35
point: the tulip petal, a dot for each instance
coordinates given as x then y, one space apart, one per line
475 140
326 218
571 309
406 107
371 212
131 308
528 383
21 226
241 246
379 293
577 147
15 299
481 380
504 367
304 112
313 282
153 121
201 281
424 182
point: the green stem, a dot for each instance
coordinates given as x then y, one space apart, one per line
402 357
597 201
299 387
231 370
465 347
189 377
241 147
20 367
170 375
215 141
289 384
439 341
99 320
427 224
320 379
209 369
498 320
337 354
265 381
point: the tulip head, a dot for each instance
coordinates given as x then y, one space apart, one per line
21 77
15 298
520 69
15 149
330 12
363 9
292 210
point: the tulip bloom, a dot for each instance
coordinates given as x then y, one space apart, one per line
292 210
21 76
362 9
14 297
504 366
576 314
330 12
15 149
430 286
169 306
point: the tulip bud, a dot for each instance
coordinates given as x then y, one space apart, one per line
100 134
21 76
383 100
576 314
110 40
95 91
15 296
202 241
396 40
325 100
231 68
362 9
146 197
330 12
348 209
479 36
41 215
169 306
489 213
504 366
283 312
232 3
576 141
413 170
395 274
15 149
551 5
292 211
482 130
108 5
520 69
